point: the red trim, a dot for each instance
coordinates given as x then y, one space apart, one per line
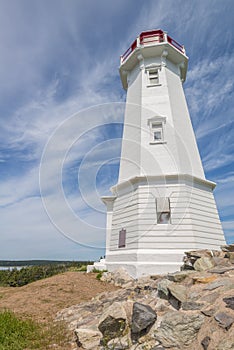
158 36
175 44
129 50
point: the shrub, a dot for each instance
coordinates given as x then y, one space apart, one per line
99 273
25 275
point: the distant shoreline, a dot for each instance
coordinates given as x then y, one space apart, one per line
3 268
25 263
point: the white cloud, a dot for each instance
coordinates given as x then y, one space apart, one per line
53 65
209 84
229 178
26 232
19 187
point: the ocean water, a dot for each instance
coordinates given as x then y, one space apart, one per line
11 267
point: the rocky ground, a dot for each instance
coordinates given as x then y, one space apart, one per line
190 309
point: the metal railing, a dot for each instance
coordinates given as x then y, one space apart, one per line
150 38
176 44
128 51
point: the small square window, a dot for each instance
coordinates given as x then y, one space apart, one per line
163 211
158 135
153 76
164 218
157 132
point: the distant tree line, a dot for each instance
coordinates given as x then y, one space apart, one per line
12 263
20 277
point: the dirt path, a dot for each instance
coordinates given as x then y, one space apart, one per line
41 300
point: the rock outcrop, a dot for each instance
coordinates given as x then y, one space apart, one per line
191 309
178 329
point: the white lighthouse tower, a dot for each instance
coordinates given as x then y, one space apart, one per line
162 204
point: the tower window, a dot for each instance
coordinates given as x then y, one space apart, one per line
153 77
157 131
122 238
163 210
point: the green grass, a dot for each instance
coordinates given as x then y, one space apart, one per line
82 268
18 334
99 273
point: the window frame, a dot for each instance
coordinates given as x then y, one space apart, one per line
164 211
152 72
157 127
155 124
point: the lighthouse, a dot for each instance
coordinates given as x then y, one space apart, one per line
162 204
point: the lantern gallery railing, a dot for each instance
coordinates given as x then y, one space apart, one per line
150 38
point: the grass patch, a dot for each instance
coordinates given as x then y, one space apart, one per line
82 268
99 273
18 334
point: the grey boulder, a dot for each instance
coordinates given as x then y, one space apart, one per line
143 316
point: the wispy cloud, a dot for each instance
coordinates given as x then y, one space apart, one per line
209 85
53 66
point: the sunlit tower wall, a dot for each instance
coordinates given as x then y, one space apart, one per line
162 204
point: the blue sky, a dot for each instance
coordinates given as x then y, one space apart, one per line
60 89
